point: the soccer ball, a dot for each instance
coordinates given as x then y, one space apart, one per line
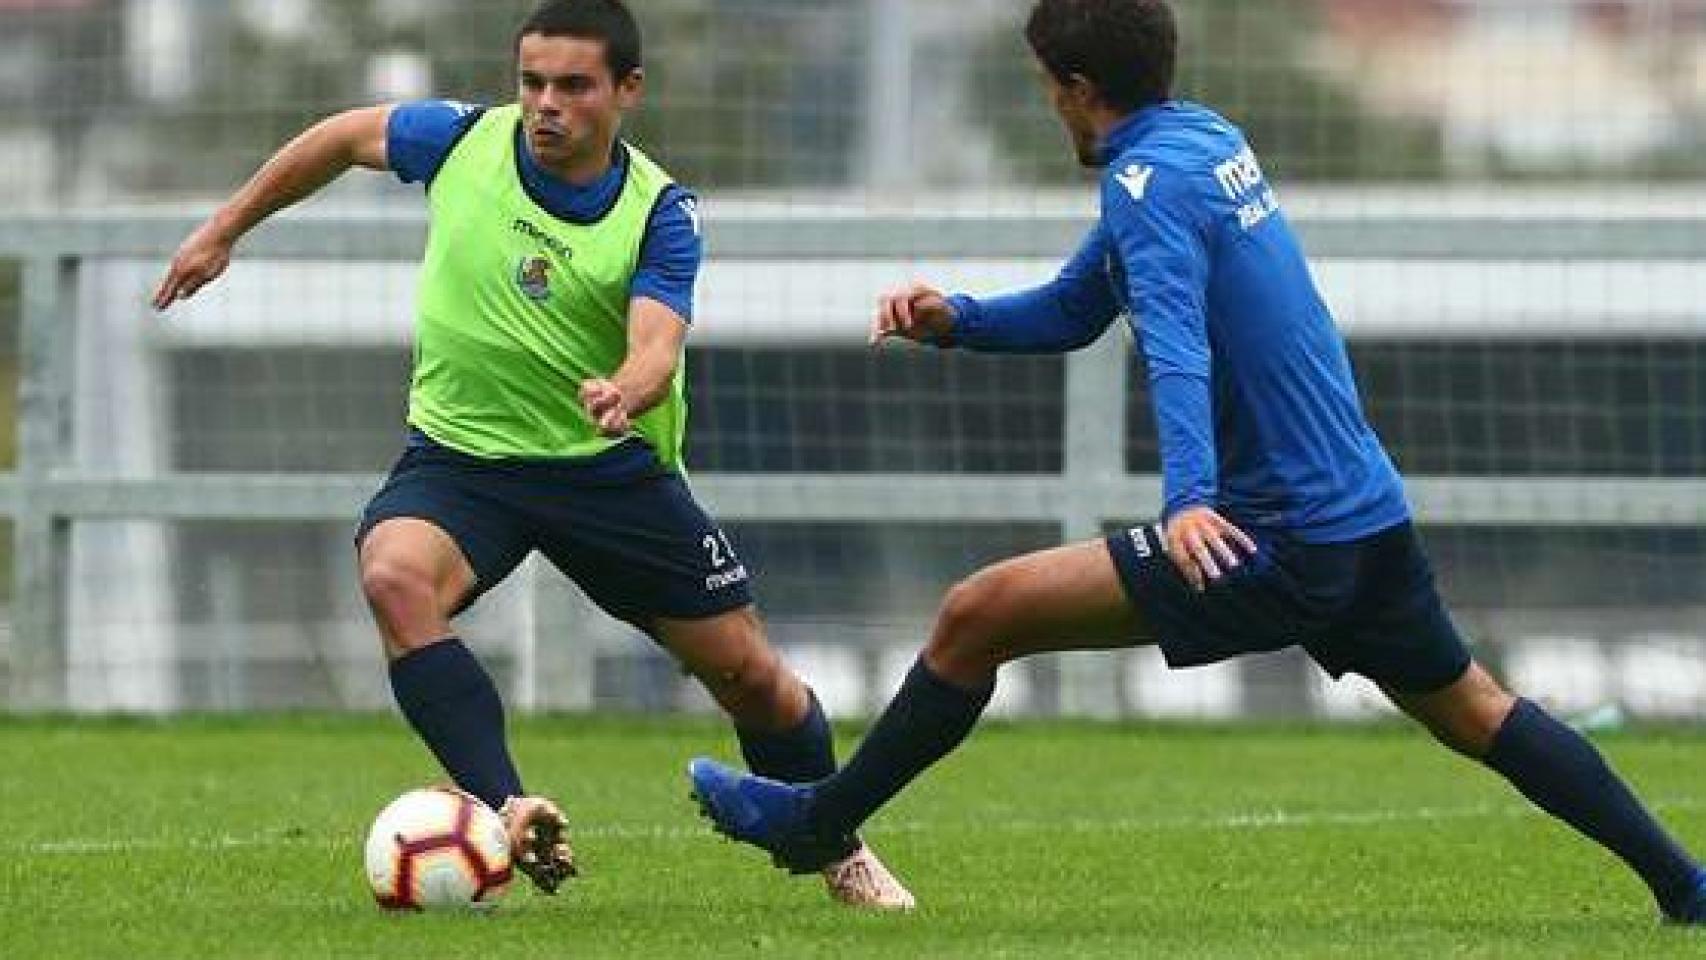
438 848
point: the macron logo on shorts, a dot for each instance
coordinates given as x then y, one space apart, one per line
1140 540
727 578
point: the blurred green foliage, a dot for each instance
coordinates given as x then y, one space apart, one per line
1247 59
743 92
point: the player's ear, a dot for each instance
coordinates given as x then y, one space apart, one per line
1081 91
630 87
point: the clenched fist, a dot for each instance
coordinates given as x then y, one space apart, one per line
606 405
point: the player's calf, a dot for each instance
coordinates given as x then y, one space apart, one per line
729 655
759 693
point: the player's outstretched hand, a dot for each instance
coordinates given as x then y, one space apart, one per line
913 312
606 406
200 261
1205 546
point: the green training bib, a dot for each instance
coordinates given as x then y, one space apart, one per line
516 307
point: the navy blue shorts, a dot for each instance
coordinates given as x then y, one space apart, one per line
1366 606
634 539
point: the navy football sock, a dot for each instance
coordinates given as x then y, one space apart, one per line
1564 775
452 703
925 721
804 754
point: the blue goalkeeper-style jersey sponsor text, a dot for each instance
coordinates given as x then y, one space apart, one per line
1256 410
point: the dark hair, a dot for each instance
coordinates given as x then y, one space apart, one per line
606 20
1125 47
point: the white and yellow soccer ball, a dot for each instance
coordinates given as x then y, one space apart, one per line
438 848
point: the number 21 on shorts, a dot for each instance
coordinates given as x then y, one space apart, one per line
718 547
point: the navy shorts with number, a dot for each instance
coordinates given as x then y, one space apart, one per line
633 538
1366 606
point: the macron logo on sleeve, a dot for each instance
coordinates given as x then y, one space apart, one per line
1135 179
691 208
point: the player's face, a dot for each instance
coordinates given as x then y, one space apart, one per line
571 105
1072 104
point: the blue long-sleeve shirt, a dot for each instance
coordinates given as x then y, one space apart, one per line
1256 410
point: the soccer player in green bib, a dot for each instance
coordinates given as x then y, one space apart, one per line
546 410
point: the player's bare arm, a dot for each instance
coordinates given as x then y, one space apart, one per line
917 312
316 157
656 334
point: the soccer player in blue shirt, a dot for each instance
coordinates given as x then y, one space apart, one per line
1284 521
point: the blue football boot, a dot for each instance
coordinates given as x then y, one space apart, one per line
767 814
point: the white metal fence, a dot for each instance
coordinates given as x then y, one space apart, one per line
144 580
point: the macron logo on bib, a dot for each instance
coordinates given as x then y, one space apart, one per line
1135 179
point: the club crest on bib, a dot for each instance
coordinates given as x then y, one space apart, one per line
533 276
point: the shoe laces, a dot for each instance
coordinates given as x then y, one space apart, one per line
856 872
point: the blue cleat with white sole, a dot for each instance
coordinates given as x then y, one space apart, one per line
766 814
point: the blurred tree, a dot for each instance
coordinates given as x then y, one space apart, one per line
753 92
61 68
1247 59
741 92
254 88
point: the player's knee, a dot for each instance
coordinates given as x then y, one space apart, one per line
753 691
1463 738
1468 715
1473 730
967 625
397 591
755 681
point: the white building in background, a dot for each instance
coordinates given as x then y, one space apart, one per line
1528 84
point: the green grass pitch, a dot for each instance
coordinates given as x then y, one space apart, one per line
242 838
